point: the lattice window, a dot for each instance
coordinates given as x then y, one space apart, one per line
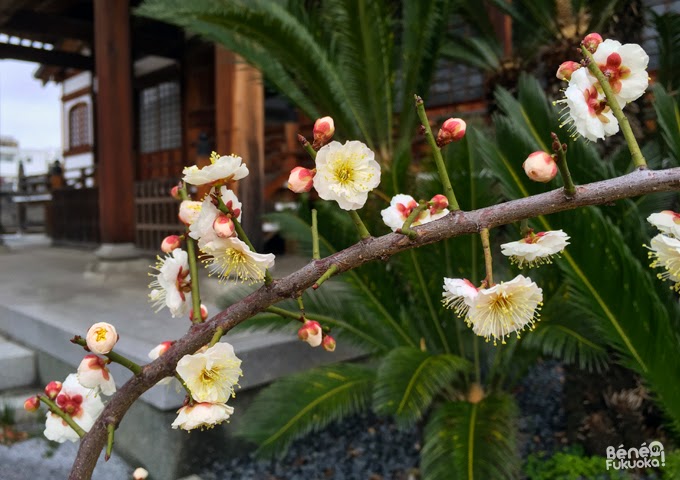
160 118
79 126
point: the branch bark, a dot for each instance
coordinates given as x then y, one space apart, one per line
639 182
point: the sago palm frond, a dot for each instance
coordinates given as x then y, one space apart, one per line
472 440
306 402
409 379
668 28
668 117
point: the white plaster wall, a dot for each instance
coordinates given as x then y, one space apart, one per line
75 83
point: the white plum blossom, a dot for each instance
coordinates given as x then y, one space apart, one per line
211 375
230 200
587 108
202 228
459 295
536 248
505 308
172 283
202 415
93 373
626 68
220 171
101 338
665 253
346 173
82 404
189 210
667 222
156 352
232 256
400 208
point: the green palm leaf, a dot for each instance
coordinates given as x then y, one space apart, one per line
408 379
306 402
668 116
472 441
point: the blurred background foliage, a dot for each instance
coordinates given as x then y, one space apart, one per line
361 62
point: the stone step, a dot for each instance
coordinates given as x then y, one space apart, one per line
17 365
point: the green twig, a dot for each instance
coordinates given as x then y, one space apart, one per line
437 154
186 387
361 228
110 430
561 153
307 146
406 228
315 236
193 268
113 356
484 234
636 153
54 408
327 274
286 314
216 336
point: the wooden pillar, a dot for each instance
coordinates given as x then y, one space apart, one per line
114 121
239 126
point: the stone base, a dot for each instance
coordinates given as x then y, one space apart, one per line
117 251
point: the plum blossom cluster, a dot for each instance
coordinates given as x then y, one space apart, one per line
535 249
665 247
588 110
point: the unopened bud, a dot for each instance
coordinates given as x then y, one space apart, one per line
324 128
540 167
174 193
204 313
189 211
160 349
301 179
311 333
224 226
170 243
101 337
476 393
591 41
452 130
32 404
566 69
52 389
140 474
438 203
328 343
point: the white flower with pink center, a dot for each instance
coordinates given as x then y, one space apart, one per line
667 222
93 373
588 110
82 404
202 228
400 208
665 253
626 68
459 295
172 283
230 201
202 415
536 248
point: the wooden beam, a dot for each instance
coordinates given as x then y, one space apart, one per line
44 26
46 57
115 158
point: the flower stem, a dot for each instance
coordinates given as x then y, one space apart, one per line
406 228
638 158
307 146
113 356
193 268
186 387
560 149
301 305
286 314
361 228
327 274
110 430
216 336
524 228
315 236
437 154
54 408
484 234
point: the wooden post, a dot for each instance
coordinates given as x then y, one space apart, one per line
115 159
239 125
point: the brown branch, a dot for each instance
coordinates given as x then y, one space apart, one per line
456 223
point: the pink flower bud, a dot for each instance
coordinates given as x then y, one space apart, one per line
101 337
452 130
174 193
566 69
324 128
301 179
540 167
591 41
32 404
328 343
170 243
224 226
161 348
438 203
93 373
140 474
52 389
311 333
204 313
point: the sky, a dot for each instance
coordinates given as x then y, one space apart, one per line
29 112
